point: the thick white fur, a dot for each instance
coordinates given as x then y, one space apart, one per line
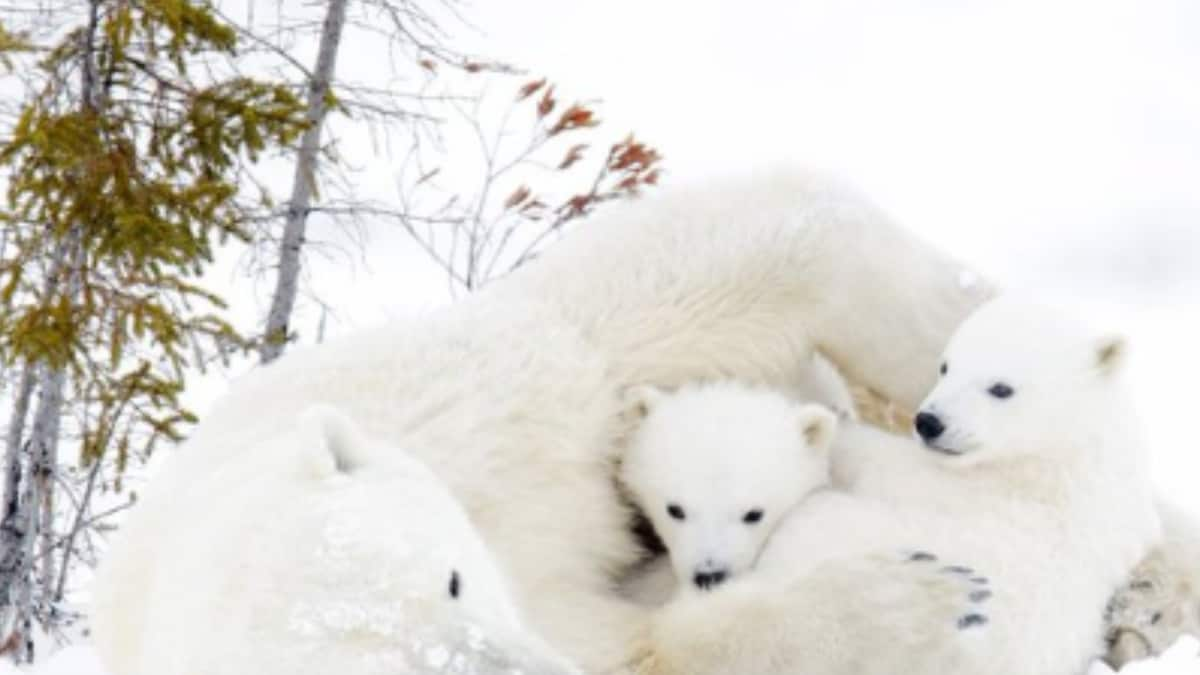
701 451
311 551
1048 501
512 397
519 429
742 279
1161 599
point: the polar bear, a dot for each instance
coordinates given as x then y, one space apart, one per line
312 551
988 548
512 397
696 466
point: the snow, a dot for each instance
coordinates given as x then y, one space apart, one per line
72 660
1181 659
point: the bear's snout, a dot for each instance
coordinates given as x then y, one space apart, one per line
929 426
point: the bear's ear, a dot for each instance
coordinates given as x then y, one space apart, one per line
817 425
640 399
1109 353
336 446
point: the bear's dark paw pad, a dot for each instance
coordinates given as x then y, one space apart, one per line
975 588
967 621
979 595
920 556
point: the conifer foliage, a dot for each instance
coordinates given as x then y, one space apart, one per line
120 170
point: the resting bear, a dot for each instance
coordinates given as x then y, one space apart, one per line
310 551
991 547
512 397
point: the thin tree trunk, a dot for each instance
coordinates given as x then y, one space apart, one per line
283 300
76 527
18 574
11 525
43 458
12 450
40 455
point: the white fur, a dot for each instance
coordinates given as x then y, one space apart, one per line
743 278
1046 496
512 397
311 551
701 452
1161 600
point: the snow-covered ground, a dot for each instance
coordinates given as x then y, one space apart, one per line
1181 659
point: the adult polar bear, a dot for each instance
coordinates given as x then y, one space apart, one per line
512 396
312 551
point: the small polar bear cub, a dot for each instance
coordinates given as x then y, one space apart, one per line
695 467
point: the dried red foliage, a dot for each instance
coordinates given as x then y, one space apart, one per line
530 88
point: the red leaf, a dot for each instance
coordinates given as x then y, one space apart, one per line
573 118
577 205
519 195
530 88
573 155
547 103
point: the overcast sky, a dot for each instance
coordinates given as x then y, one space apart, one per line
1051 143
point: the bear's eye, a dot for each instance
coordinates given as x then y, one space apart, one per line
455 584
1000 390
675 511
944 368
752 516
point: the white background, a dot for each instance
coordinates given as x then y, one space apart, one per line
1053 144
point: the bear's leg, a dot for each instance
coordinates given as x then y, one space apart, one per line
1161 600
877 615
593 627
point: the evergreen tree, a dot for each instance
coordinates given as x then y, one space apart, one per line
121 172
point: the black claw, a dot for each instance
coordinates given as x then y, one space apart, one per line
969 620
921 556
958 569
979 580
1141 585
979 595
1155 618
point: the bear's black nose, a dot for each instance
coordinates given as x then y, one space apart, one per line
706 580
929 426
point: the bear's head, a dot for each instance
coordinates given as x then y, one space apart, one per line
318 550
716 466
1019 377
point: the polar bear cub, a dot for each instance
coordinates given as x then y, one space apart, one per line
717 466
314 550
989 546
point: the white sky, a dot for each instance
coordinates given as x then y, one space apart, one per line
1051 143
